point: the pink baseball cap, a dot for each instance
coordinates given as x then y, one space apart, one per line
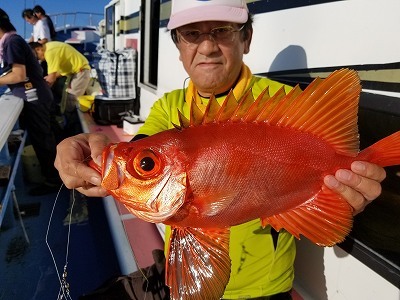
185 12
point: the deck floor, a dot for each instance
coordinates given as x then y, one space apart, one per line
27 271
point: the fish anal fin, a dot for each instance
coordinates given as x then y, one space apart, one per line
325 220
198 263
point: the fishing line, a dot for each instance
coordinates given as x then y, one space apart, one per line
64 292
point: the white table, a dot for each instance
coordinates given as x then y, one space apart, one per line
10 109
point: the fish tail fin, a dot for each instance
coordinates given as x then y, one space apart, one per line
385 152
198 263
325 219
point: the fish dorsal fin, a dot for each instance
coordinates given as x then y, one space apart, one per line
325 220
183 121
267 112
243 106
212 110
196 115
198 263
255 108
327 108
228 108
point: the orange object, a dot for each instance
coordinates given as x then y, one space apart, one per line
245 160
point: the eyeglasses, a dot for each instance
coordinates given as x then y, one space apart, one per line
223 34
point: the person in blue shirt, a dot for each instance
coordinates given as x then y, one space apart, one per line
25 80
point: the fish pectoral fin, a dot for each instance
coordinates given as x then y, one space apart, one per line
325 220
215 204
198 263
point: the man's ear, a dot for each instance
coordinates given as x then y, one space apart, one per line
247 42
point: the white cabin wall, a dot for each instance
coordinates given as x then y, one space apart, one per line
332 274
171 74
125 8
333 34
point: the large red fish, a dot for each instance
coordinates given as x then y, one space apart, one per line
245 160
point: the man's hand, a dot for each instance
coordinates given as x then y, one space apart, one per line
71 163
360 186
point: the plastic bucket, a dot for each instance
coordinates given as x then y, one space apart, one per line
86 103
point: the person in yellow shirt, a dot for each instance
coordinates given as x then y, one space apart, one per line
64 60
212 37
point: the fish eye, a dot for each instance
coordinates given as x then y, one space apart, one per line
147 163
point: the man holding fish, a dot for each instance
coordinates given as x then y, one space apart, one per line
212 37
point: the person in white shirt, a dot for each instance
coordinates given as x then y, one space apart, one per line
41 31
40 13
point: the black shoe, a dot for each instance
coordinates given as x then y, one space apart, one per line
44 189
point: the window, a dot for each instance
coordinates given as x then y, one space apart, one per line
110 27
375 238
150 20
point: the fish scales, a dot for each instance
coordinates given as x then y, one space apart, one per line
232 165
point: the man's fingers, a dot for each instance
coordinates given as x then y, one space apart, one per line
92 191
369 170
359 186
97 143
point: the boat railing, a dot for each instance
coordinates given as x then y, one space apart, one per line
76 19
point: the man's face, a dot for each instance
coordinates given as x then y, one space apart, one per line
39 53
31 21
212 65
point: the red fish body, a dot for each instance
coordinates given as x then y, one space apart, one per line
236 177
253 159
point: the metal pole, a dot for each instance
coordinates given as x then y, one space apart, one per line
19 215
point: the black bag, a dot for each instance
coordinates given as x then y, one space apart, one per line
111 111
135 286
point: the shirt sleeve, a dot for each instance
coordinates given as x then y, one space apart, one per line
158 119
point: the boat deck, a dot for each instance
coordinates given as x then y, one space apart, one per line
28 270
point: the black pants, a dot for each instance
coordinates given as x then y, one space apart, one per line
36 118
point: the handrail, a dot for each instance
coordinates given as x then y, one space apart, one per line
71 19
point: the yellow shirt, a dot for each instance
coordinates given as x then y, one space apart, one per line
64 59
258 269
